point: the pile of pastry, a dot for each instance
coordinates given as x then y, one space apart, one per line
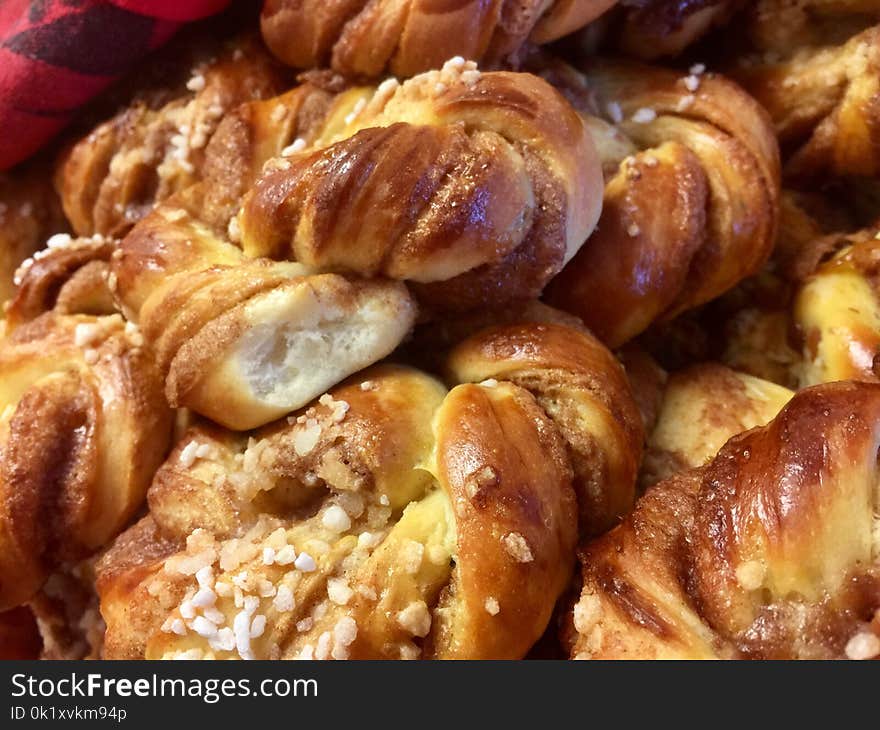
485 330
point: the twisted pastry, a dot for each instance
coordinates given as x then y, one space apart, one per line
29 213
244 341
115 175
703 407
770 551
390 519
491 200
83 427
475 188
836 311
366 38
691 201
69 276
823 102
576 381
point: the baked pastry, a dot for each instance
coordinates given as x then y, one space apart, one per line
367 38
814 317
770 551
318 366
30 212
69 276
822 99
657 29
691 201
155 147
837 313
83 427
476 188
390 519
495 200
704 406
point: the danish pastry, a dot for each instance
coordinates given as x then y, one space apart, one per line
390 519
767 552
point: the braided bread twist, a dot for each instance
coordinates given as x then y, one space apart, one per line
703 406
366 38
69 276
115 175
823 102
30 212
691 203
471 195
83 428
475 188
770 551
390 519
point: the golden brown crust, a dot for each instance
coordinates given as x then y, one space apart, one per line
508 477
366 38
72 276
83 427
115 175
704 406
768 552
584 391
427 523
824 104
685 219
475 187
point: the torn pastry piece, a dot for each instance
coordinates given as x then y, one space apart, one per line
391 519
366 39
768 552
823 102
244 341
691 202
703 407
475 188
83 427
115 175
246 345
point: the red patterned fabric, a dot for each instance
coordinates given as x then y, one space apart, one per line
55 55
